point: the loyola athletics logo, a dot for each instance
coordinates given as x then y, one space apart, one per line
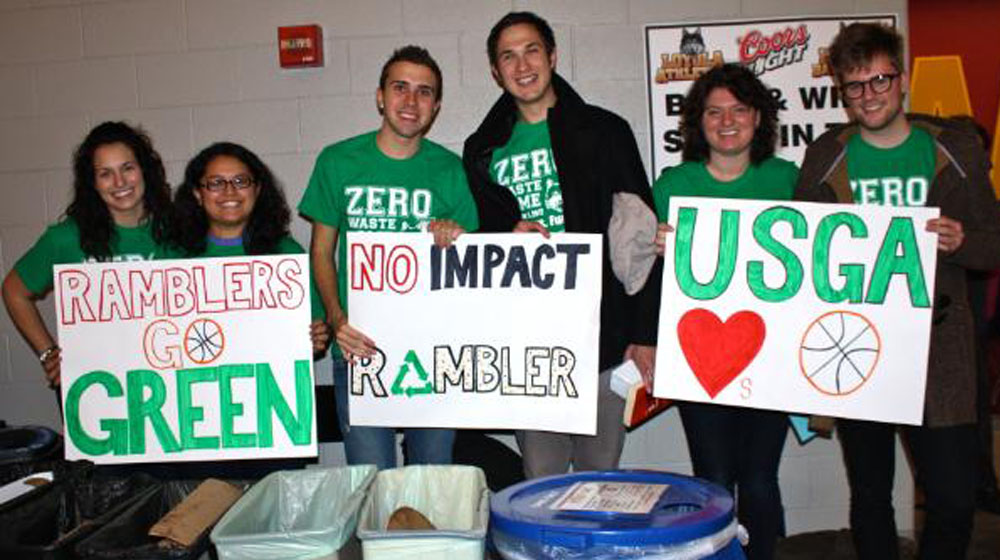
410 368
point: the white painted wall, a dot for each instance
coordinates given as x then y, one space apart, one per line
196 71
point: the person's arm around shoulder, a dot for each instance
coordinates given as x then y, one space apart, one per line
24 313
352 342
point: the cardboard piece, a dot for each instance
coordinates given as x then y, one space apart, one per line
197 512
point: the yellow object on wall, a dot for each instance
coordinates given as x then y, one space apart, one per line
938 87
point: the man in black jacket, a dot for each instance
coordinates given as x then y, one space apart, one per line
545 161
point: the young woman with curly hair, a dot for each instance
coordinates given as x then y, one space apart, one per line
729 125
120 211
229 205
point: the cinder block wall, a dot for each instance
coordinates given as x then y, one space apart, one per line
196 71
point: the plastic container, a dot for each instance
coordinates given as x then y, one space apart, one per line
454 498
307 514
125 537
615 514
47 522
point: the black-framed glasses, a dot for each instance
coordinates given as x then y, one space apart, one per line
879 83
218 184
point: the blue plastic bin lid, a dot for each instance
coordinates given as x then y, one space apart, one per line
689 509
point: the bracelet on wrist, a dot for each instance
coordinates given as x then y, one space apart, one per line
45 354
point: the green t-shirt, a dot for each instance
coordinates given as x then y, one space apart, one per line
525 166
355 187
898 176
772 179
60 244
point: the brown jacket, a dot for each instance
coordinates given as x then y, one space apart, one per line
961 189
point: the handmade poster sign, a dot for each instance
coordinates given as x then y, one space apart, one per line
186 360
497 331
803 307
788 54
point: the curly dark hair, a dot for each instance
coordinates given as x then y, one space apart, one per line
857 44
517 18
414 55
745 87
88 210
269 219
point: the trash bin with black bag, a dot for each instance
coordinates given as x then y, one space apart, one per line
45 523
126 537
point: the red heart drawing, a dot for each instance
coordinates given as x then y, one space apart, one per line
718 352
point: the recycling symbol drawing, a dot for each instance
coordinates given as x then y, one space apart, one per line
414 376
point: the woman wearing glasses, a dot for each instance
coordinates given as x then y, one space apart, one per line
729 128
120 211
231 205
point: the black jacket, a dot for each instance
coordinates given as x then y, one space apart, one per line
596 156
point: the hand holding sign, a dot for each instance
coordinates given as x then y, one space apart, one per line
661 237
524 226
950 233
445 232
352 342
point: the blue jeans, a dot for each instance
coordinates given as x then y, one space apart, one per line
740 449
367 445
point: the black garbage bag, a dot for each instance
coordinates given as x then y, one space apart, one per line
126 537
45 523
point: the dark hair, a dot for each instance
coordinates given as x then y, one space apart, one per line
745 87
269 219
415 55
858 43
88 210
517 18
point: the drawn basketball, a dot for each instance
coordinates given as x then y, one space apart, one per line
839 352
204 341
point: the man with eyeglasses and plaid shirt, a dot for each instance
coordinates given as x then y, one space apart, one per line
887 157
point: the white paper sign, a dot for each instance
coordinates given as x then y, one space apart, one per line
803 307
788 54
186 360
499 331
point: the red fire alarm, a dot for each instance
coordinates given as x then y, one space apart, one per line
300 46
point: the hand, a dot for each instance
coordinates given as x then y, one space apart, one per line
950 233
352 342
53 367
645 361
445 232
662 230
525 226
319 334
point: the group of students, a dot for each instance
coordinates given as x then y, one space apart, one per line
545 161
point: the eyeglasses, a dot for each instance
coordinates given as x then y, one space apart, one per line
218 184
879 83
